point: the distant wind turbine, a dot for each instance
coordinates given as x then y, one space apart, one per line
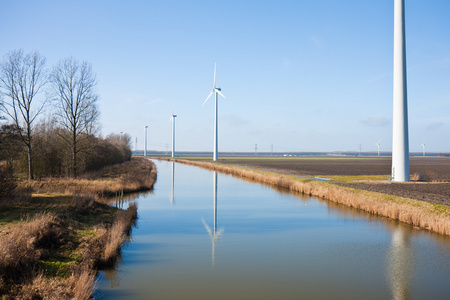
173 133
378 146
423 147
216 91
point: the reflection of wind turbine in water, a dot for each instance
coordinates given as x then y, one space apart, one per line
216 233
173 181
399 265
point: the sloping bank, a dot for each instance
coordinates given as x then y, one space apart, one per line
429 216
53 242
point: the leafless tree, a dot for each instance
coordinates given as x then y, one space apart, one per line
73 83
21 79
1 105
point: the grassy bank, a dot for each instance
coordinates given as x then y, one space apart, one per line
429 216
53 242
135 175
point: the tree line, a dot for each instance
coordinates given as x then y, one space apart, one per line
52 118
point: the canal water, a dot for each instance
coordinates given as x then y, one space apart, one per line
205 235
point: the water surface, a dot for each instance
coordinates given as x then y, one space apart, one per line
202 235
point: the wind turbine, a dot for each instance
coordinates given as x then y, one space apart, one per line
378 145
173 133
400 143
423 147
216 92
214 235
145 149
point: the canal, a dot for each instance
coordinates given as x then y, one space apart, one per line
205 235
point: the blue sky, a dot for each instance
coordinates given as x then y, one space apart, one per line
304 75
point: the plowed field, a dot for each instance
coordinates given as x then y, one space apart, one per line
434 170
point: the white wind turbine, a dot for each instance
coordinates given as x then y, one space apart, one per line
378 145
400 141
423 148
216 91
172 118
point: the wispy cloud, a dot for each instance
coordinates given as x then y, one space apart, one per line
235 121
376 121
377 78
317 42
154 101
434 126
286 63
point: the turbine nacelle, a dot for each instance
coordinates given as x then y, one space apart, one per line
214 89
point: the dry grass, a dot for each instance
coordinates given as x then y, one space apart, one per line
118 233
56 254
423 215
132 176
26 247
78 286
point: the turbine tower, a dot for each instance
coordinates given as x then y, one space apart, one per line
173 133
400 143
216 91
378 146
145 149
423 148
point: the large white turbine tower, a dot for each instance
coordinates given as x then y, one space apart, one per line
173 133
216 91
400 143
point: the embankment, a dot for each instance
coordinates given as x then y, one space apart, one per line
135 175
429 216
53 243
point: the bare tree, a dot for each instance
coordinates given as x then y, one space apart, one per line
21 79
1 105
73 83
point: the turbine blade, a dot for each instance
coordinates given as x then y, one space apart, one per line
214 75
217 91
208 97
207 228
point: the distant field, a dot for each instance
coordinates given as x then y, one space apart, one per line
436 170
436 167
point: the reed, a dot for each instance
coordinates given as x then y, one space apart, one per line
420 214
136 175
23 248
78 286
118 233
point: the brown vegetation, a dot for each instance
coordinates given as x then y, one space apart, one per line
118 233
435 171
55 252
135 175
419 214
431 168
